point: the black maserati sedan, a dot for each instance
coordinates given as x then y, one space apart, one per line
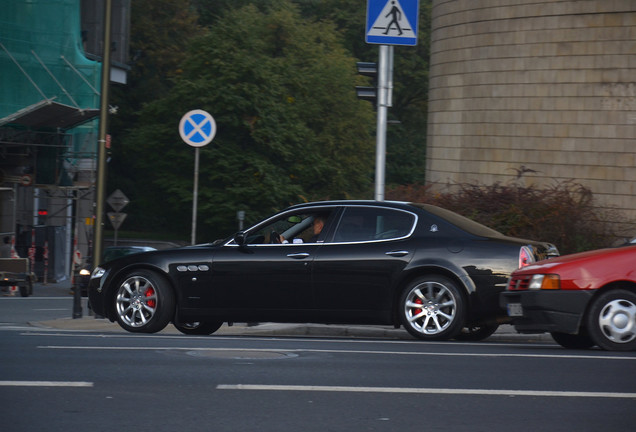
434 272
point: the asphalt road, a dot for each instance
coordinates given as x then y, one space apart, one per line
58 379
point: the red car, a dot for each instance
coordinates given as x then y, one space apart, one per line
583 299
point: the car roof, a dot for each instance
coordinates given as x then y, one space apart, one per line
352 203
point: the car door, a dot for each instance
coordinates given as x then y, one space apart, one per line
263 275
354 271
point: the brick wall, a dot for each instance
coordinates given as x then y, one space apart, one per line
547 85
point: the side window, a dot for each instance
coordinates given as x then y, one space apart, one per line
367 224
294 228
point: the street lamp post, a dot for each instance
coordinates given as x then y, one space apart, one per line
101 142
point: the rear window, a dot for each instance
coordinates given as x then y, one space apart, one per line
371 223
459 221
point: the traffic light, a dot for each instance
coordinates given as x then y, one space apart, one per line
42 214
369 69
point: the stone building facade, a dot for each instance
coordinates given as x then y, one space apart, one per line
541 90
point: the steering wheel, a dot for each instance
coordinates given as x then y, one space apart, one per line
274 238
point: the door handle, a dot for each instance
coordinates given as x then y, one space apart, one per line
398 253
301 255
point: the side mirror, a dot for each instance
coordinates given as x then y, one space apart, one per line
239 238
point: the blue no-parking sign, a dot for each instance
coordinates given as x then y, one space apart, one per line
197 128
392 22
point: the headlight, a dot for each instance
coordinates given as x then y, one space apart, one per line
84 272
545 281
97 273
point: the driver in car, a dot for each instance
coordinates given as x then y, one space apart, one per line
317 225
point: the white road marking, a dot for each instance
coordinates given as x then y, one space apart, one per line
335 351
32 298
45 384
437 391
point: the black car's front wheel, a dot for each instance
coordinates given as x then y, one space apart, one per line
432 308
198 327
611 320
144 302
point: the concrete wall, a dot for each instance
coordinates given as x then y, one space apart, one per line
542 85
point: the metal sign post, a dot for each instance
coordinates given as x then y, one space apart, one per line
195 196
100 190
389 23
380 151
197 129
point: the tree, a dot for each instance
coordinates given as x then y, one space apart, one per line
161 31
160 34
406 134
290 128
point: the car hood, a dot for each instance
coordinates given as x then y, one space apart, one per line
156 256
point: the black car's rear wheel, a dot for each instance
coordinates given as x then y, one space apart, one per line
144 302
198 327
476 332
573 341
611 320
432 308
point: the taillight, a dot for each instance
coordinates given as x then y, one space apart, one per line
526 257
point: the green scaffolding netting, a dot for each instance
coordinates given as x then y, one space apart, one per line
44 35
42 59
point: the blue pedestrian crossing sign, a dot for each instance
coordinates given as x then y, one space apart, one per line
392 22
197 128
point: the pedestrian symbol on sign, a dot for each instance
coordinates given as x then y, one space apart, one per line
396 16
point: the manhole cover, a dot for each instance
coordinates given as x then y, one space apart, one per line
240 354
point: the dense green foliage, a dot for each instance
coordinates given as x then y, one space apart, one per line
564 214
279 78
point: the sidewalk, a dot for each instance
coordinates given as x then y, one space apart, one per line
505 333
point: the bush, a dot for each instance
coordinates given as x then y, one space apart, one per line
564 214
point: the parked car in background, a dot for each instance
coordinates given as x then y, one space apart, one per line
110 253
114 252
582 299
434 272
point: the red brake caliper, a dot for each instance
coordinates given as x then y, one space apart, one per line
149 293
419 302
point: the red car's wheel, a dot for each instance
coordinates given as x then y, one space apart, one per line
611 320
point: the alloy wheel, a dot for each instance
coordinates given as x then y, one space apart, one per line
430 307
136 301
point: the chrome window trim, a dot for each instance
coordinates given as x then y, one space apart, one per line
231 243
